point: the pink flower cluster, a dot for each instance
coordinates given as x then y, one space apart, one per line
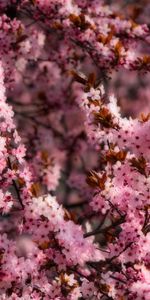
74 166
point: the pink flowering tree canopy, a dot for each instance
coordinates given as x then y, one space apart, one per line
74 150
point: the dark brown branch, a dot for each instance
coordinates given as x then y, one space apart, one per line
104 230
15 186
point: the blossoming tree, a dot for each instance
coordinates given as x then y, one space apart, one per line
74 158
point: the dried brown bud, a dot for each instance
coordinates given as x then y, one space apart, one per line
139 164
35 189
144 118
105 118
94 180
